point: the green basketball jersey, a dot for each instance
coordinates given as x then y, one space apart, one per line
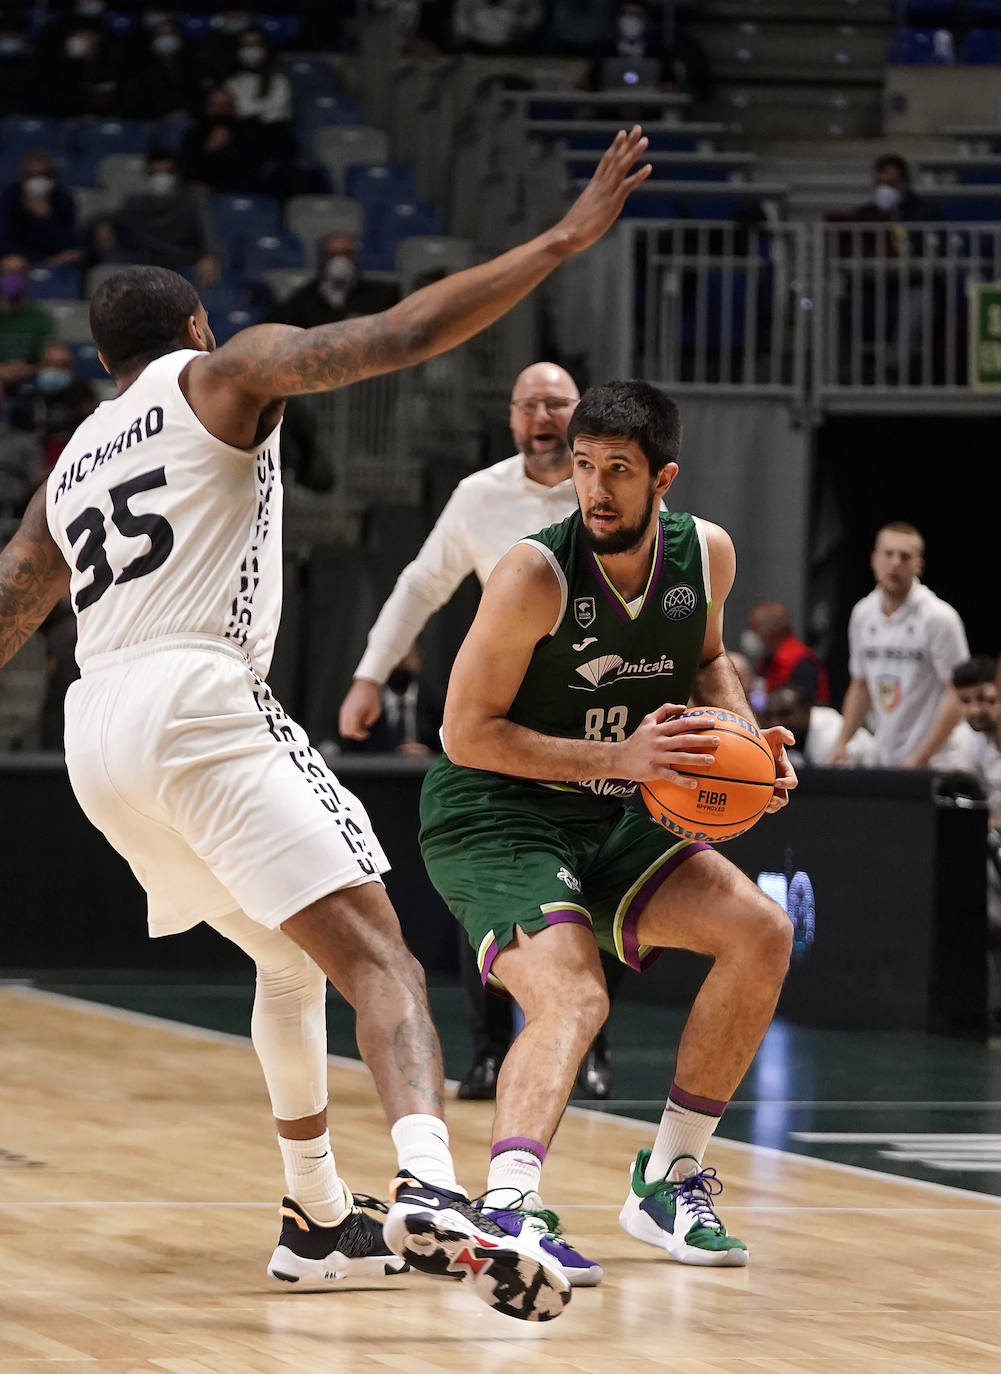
606 665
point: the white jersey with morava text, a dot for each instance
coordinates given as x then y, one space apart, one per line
167 530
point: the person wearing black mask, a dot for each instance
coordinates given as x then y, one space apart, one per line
337 292
218 151
162 75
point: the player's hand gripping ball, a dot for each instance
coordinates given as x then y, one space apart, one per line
731 795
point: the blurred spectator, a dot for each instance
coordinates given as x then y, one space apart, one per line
337 292
218 150
893 196
974 684
17 66
496 26
816 729
52 401
904 643
412 709
217 51
162 77
21 468
639 36
25 328
37 215
777 657
79 67
168 225
260 89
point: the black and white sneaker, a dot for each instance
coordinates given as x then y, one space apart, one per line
349 1248
441 1233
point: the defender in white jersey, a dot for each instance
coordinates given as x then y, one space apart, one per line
166 504
903 643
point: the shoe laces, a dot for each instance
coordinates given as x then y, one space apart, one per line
371 1204
697 1192
548 1218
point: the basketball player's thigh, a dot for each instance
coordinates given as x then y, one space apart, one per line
704 905
503 869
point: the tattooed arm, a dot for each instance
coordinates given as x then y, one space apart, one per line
258 365
33 576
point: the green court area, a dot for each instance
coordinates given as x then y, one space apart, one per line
919 1105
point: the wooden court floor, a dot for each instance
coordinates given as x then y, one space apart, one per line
139 1183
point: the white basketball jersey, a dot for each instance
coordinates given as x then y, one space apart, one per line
167 530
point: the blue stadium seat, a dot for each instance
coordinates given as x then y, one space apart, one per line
221 299
940 8
170 131
316 111
240 219
270 252
89 367
982 46
194 26
279 28
230 322
719 207
982 176
311 76
379 184
395 222
93 139
988 8
913 47
19 132
55 284
972 211
120 22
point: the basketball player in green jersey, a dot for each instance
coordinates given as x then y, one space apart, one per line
559 700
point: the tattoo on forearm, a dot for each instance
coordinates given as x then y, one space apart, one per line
277 361
33 576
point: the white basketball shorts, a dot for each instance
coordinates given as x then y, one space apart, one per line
180 754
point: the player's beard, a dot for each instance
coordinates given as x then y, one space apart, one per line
624 539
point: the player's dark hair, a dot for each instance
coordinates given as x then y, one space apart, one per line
630 410
139 314
975 671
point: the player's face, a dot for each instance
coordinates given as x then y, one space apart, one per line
980 706
896 562
616 492
542 402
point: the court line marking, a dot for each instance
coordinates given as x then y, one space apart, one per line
229 1038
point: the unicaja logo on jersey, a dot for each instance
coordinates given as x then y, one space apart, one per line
679 602
598 672
583 611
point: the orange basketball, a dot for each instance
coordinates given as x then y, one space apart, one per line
731 795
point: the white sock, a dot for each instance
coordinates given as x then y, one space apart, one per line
684 1133
422 1149
515 1168
311 1177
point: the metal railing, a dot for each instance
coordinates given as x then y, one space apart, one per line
716 305
891 308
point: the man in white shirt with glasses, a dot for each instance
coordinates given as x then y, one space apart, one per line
488 512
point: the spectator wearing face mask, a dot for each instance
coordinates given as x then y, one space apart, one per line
167 225
21 467
162 75
496 26
37 216
893 196
52 401
79 64
337 292
218 150
410 720
25 328
216 52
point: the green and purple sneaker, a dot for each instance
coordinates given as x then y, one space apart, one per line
679 1217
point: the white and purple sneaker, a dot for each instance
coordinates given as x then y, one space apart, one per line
539 1227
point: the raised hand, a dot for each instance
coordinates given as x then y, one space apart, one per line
599 204
662 743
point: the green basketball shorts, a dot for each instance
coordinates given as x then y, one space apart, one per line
506 854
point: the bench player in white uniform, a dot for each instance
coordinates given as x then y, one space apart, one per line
166 505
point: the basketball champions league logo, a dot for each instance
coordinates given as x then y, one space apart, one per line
679 602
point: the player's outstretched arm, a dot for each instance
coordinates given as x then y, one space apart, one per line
271 361
33 576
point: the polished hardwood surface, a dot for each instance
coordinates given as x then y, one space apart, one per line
139 1182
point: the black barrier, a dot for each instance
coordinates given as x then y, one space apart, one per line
896 935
